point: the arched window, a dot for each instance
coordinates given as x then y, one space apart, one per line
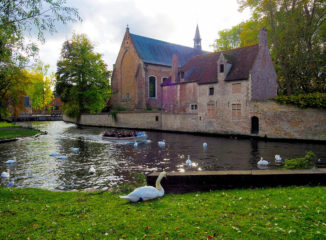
152 87
254 125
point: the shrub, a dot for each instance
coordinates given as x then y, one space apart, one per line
313 100
308 161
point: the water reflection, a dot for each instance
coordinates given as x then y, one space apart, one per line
115 162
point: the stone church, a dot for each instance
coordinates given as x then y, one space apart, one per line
215 90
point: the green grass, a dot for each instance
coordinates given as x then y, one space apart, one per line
272 213
9 130
6 124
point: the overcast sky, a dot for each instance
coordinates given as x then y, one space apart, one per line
105 21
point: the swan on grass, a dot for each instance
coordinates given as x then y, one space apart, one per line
147 192
262 162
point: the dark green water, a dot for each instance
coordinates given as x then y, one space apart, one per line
115 163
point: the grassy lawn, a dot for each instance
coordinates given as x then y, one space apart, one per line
271 213
9 130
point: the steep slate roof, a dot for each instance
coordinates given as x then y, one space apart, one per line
203 68
159 52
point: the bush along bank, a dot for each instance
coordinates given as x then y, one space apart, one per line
9 131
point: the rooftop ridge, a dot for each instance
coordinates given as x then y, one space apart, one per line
164 42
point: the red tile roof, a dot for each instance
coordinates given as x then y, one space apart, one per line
203 68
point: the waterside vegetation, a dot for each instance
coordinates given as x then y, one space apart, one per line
11 131
278 213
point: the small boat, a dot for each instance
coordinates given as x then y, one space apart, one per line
129 137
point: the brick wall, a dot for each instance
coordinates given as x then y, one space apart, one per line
275 121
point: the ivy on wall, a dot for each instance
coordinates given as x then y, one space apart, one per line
310 100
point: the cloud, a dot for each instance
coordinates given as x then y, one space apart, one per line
105 21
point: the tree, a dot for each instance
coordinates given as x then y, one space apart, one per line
40 91
297 40
82 78
18 18
241 35
12 97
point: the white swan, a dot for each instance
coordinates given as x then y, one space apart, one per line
92 170
54 154
136 144
161 143
188 162
262 162
204 145
278 159
10 184
75 150
5 174
11 161
62 157
147 192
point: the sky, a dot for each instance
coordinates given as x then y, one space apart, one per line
105 21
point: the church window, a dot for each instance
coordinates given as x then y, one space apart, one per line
127 96
236 88
152 87
211 91
221 68
236 111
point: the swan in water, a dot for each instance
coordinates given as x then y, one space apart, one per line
10 184
278 159
92 170
75 150
62 157
147 192
204 145
262 162
188 162
54 154
161 143
5 174
11 161
136 144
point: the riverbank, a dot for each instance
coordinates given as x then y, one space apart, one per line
280 213
10 132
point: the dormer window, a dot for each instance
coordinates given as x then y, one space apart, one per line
221 68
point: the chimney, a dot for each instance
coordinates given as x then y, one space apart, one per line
175 66
262 36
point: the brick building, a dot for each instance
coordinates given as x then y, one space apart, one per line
218 88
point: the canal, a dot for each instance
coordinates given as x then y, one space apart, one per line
116 163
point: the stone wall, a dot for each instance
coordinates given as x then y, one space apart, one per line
286 121
140 120
275 121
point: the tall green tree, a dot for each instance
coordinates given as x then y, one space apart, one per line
241 35
40 91
296 31
82 78
18 18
